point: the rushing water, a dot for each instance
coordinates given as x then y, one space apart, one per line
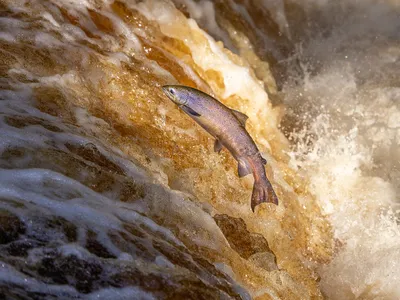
108 191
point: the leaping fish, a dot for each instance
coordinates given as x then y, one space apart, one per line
227 126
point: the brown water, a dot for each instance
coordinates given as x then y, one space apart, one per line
108 191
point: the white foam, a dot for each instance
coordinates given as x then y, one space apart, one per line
7 37
47 40
27 186
47 16
117 58
225 269
125 257
133 45
76 5
130 215
163 262
74 250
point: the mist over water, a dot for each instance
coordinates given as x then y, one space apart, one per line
344 121
107 191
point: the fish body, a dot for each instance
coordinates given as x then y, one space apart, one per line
227 126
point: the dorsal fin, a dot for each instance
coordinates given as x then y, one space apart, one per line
240 116
264 161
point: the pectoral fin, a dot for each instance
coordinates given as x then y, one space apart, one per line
218 146
240 116
190 111
243 169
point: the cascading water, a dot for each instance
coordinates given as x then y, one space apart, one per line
349 145
108 191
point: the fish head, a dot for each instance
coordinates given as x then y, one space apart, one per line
190 100
177 94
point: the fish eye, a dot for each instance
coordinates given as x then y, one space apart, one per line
171 90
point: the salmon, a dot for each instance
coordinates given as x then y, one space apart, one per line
227 126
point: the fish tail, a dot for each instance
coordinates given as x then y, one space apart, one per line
262 192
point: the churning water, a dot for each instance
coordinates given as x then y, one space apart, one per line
108 191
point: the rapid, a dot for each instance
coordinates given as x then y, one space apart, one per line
108 191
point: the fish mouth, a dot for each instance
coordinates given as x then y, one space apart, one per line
167 92
165 89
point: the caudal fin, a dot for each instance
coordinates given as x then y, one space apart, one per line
262 192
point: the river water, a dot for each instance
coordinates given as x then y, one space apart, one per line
108 191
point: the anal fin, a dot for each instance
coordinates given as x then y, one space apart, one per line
218 146
243 169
